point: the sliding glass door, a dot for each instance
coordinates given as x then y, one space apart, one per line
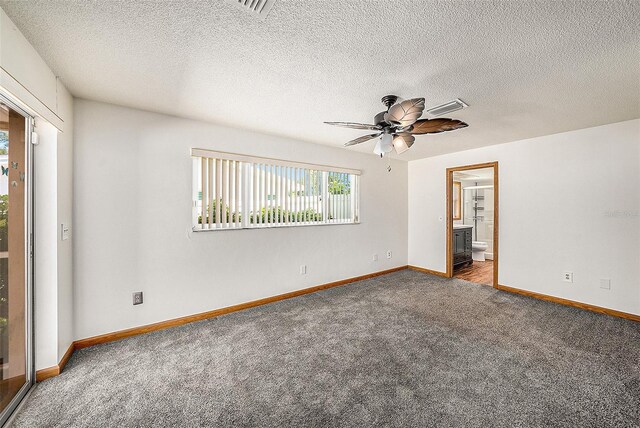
15 261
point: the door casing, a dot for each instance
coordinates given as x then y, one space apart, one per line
496 197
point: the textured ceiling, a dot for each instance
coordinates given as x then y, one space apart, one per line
527 68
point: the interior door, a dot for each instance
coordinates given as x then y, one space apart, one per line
16 374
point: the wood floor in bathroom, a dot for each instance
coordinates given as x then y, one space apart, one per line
478 272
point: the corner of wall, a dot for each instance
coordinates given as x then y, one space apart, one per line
65 216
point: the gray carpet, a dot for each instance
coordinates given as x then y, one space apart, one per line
404 349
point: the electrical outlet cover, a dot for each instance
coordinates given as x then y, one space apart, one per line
137 298
568 277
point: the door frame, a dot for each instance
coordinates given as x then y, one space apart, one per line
450 171
9 411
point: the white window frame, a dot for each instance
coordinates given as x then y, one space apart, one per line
249 176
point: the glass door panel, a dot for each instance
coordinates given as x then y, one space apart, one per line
15 374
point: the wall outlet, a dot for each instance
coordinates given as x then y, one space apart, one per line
605 283
303 269
389 254
568 277
375 257
137 298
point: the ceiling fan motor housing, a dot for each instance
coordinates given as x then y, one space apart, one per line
389 100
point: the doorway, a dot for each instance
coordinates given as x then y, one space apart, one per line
472 223
16 351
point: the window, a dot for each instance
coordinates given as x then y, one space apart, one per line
242 192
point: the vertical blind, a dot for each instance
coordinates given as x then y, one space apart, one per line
241 192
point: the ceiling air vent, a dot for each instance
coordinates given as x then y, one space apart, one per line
454 105
260 8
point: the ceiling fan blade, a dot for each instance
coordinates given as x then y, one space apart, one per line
434 126
362 139
406 112
353 125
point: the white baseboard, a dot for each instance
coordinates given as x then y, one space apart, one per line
488 256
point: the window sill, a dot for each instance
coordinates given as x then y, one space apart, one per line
273 227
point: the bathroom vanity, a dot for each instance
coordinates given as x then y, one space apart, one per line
462 239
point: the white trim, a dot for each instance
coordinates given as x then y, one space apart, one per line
275 226
204 153
26 101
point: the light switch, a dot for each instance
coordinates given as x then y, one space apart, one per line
64 232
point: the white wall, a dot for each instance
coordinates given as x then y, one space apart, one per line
132 213
64 181
27 81
53 275
44 229
568 202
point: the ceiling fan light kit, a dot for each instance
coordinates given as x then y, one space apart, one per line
384 145
397 125
401 145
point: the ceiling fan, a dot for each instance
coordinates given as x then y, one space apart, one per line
397 125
